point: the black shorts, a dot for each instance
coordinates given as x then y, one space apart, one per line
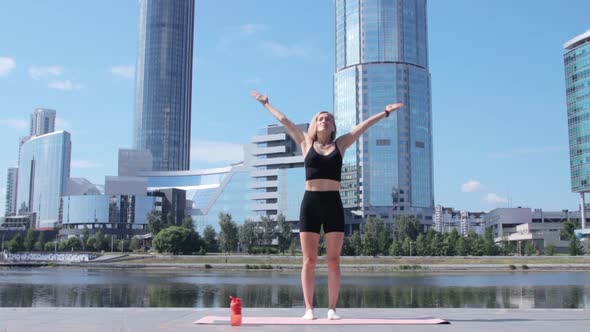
321 208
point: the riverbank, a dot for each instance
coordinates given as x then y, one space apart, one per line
360 263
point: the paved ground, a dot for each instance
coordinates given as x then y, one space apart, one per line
181 319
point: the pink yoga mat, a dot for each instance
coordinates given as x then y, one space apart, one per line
344 321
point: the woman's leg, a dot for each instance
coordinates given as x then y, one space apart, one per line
309 247
334 242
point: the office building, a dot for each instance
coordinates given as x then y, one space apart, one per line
382 58
162 121
44 169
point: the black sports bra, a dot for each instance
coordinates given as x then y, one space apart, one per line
318 166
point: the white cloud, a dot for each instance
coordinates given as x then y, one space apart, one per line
519 152
495 199
84 164
6 65
38 73
470 186
14 123
252 28
281 50
208 151
127 72
64 85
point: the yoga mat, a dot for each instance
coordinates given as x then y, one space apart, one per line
323 321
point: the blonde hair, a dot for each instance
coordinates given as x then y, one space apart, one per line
312 130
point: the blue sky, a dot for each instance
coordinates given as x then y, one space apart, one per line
498 91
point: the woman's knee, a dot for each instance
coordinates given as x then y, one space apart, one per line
333 261
310 261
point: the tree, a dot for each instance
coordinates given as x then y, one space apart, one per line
85 236
16 244
73 244
135 244
407 249
530 248
228 236
284 234
550 249
170 220
249 236
29 242
567 230
155 222
210 239
421 248
356 243
490 248
461 248
123 245
40 244
575 247
406 226
176 240
375 238
269 231
98 241
347 249
395 249
451 242
187 222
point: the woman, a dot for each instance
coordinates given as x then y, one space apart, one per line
321 205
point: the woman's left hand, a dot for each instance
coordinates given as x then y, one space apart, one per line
393 107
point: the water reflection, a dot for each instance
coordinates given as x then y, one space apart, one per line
148 288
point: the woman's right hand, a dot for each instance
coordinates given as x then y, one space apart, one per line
261 98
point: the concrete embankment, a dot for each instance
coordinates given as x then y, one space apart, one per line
182 319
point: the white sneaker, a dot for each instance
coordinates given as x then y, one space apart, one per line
332 315
308 314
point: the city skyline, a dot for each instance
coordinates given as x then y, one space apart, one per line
499 112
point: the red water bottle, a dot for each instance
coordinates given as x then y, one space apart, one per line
236 311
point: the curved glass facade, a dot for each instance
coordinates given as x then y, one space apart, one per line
94 210
164 82
231 198
44 169
382 57
577 83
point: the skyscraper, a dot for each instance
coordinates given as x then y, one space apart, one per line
11 187
162 122
42 121
43 172
382 58
577 83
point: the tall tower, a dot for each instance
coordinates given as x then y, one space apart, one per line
382 58
577 84
162 121
11 187
42 121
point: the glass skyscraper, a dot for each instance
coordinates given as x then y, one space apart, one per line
42 121
11 187
43 172
577 83
162 122
382 58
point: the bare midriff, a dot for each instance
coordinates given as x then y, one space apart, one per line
322 185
